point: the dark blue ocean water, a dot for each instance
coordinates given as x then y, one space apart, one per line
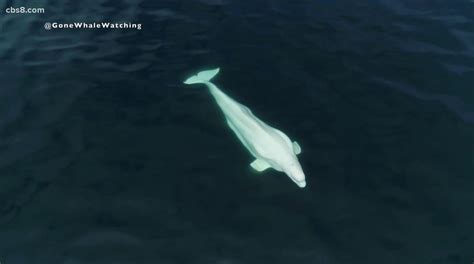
106 157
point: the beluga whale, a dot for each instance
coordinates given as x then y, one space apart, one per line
270 147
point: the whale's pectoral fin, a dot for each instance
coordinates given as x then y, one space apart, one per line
296 148
260 165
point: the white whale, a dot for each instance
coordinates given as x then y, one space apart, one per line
271 147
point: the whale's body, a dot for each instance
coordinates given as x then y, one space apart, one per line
271 147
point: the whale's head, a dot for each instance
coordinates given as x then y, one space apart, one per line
295 172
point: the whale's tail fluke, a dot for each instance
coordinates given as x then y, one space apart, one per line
202 77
